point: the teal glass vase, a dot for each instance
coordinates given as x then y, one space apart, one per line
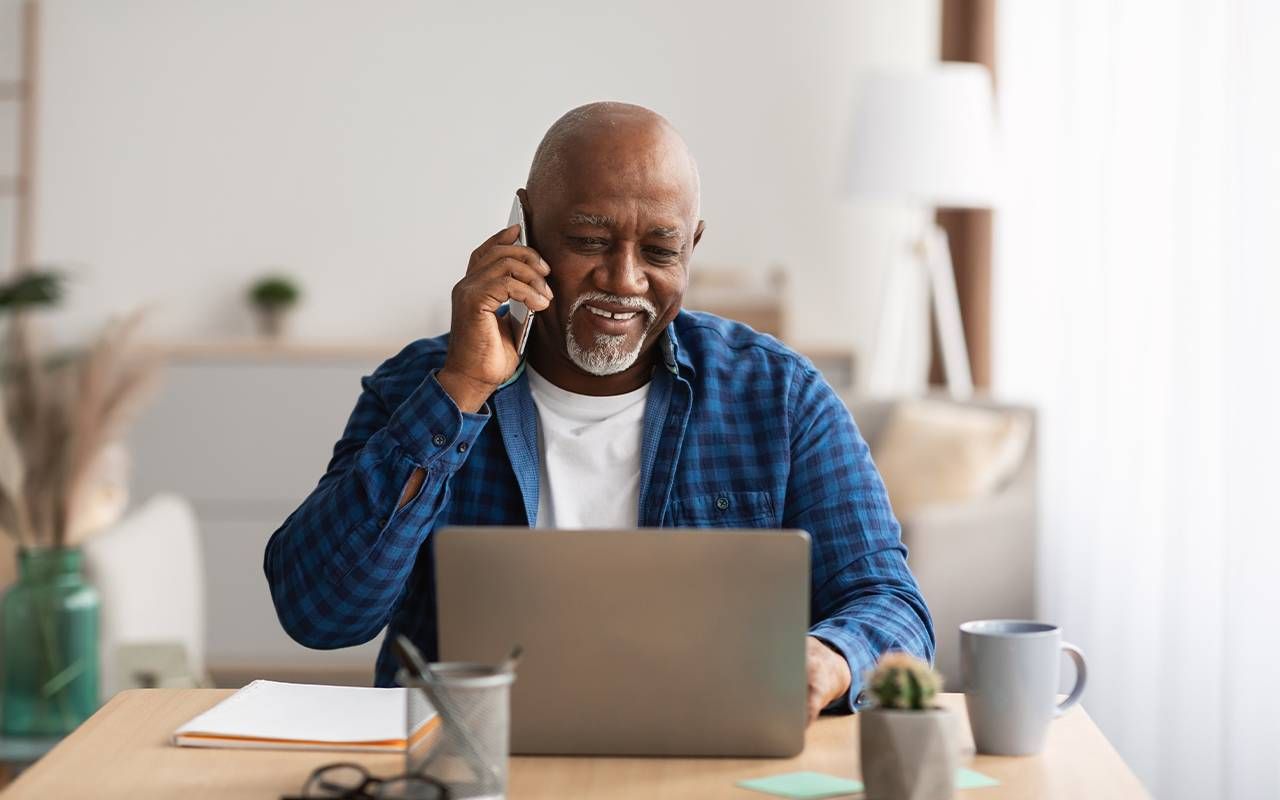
48 646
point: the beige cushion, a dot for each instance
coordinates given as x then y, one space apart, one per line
933 452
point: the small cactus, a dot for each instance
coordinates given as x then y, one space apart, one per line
902 681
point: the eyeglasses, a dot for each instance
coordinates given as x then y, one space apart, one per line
349 781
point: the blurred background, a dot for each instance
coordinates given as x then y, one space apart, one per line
1033 245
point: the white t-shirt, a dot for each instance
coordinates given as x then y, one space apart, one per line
588 456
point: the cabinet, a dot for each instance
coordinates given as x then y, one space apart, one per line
244 431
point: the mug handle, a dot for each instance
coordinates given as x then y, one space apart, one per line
1081 674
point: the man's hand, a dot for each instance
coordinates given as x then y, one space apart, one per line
829 675
482 353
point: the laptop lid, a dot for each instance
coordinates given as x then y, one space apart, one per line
636 642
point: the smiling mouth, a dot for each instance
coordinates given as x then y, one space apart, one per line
618 315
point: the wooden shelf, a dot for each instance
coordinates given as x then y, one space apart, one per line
838 363
250 349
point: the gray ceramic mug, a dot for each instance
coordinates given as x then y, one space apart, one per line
1011 670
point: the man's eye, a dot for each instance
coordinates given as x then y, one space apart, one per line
660 255
588 243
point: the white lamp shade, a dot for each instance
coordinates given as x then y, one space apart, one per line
926 138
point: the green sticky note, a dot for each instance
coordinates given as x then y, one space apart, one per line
803 785
968 779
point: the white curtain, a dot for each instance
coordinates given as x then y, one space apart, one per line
1138 305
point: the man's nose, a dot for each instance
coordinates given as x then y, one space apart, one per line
622 273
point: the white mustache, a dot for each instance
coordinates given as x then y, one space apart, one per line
638 303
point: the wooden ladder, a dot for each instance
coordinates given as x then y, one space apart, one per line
19 186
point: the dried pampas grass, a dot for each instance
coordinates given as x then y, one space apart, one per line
61 423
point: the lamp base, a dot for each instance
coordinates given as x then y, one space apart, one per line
896 368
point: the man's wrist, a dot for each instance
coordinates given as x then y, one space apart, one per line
468 394
838 666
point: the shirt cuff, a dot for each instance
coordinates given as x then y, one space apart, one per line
431 428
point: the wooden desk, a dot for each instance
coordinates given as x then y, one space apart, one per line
123 751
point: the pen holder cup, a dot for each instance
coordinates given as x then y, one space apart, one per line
466 745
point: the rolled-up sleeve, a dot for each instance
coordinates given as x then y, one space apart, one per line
338 564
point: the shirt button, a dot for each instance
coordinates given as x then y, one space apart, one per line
382 522
462 447
722 502
438 440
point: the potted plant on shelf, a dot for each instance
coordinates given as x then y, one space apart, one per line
272 297
62 478
909 747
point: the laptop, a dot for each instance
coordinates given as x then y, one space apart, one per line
649 642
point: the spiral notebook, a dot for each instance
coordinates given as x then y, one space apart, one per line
298 716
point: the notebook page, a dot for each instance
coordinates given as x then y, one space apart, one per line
304 712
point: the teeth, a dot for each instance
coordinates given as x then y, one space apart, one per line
621 315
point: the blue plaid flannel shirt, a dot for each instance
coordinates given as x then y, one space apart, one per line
739 432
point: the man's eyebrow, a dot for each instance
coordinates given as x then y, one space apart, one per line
604 221
596 220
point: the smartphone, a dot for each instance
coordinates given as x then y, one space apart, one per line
519 314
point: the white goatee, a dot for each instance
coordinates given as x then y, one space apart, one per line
608 355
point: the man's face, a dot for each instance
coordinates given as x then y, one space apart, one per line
617 231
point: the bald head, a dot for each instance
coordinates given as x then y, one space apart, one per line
616 136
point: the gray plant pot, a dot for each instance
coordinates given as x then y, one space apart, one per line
272 322
909 755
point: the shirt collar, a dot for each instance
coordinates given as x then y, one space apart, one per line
673 356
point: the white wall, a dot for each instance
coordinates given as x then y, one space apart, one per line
188 145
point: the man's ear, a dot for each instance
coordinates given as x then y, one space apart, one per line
697 233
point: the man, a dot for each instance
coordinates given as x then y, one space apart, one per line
626 411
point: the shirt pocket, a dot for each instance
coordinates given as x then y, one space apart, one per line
724 510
